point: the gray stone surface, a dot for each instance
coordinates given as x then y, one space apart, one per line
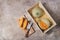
11 10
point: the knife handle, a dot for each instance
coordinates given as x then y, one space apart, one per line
27 33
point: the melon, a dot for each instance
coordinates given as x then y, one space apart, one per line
44 23
36 12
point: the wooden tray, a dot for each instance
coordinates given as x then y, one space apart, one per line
46 15
25 30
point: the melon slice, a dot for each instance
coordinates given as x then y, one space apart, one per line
21 22
25 23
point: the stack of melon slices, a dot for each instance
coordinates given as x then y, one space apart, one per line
23 22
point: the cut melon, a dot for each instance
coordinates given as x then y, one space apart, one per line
25 23
44 24
21 21
37 12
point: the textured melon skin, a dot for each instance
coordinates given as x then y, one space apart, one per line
36 12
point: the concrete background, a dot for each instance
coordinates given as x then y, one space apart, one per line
11 10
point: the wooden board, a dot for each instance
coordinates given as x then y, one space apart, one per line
25 30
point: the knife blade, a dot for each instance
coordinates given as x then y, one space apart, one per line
28 28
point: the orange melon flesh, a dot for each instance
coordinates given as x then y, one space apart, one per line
25 23
21 22
43 26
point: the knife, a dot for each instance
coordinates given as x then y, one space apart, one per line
28 28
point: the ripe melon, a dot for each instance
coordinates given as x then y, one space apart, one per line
36 12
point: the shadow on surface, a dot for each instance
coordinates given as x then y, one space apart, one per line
54 16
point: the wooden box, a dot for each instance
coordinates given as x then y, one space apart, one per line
46 15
